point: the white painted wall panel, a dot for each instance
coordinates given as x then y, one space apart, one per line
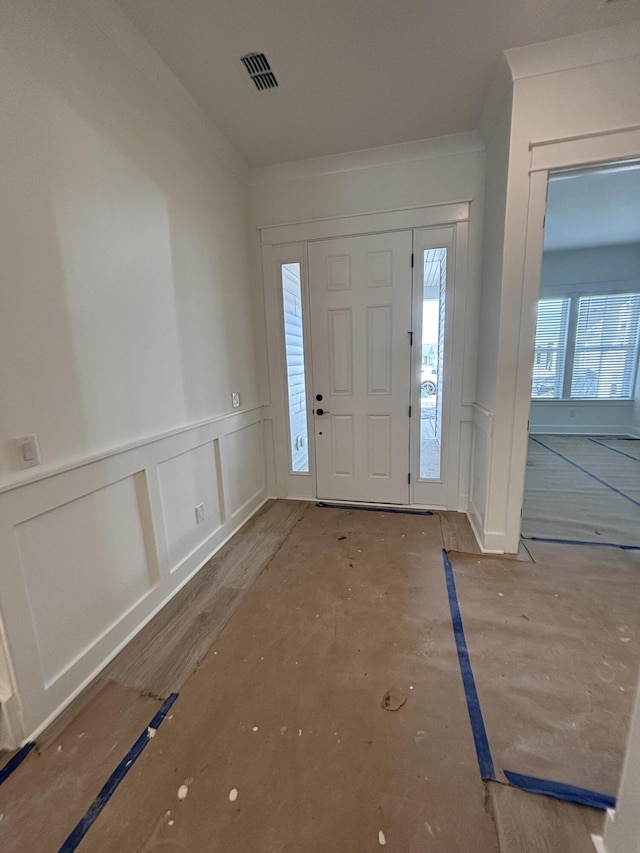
84 564
244 462
601 417
187 480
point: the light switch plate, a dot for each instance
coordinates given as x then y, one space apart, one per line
235 399
27 450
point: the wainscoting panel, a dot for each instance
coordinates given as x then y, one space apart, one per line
244 458
92 551
188 481
84 564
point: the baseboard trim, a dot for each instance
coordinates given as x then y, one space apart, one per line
554 429
489 543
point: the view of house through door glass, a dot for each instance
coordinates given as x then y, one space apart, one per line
360 295
432 341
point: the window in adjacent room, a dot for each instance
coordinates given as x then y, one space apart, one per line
587 347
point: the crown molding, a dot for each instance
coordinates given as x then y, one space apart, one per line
120 31
562 54
368 158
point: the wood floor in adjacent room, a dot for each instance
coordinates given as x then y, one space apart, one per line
583 488
282 649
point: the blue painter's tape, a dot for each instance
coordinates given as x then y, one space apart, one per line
584 471
581 542
560 791
375 509
614 449
114 780
16 761
473 702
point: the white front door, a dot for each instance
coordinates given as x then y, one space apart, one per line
360 291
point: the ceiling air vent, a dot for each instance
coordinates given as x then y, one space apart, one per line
259 70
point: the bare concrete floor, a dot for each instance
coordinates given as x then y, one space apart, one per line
554 648
286 710
278 741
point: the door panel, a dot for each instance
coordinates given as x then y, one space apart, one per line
360 290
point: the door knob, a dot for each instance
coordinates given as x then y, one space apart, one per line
322 412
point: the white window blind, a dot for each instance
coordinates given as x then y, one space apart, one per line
294 351
551 347
606 346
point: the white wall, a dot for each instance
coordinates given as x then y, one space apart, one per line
579 417
125 302
430 172
125 315
614 268
581 85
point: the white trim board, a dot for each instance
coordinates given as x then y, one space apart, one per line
585 150
23 478
367 223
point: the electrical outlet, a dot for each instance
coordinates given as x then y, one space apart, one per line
235 399
199 513
28 450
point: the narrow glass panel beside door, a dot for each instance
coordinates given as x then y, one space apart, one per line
432 340
294 350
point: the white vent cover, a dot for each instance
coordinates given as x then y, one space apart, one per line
259 70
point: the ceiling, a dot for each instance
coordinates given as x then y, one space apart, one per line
600 208
352 74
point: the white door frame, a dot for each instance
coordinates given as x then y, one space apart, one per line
282 243
547 156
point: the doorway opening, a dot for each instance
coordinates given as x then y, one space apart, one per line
583 467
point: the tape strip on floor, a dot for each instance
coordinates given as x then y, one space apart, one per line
582 542
323 505
108 789
584 470
16 761
558 790
471 693
614 449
